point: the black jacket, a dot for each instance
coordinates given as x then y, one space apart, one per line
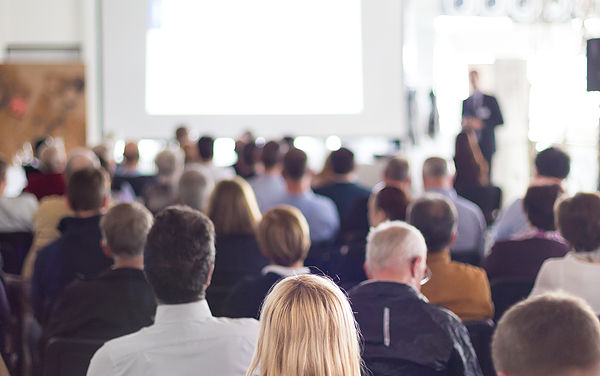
246 298
491 115
405 335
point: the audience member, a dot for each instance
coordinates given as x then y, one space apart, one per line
185 338
270 185
16 213
53 209
234 212
105 158
187 147
284 239
387 204
131 157
552 167
194 189
78 250
403 333
206 146
245 166
461 288
119 301
523 255
33 165
438 178
472 170
163 191
307 328
578 273
550 335
397 174
323 177
319 211
50 180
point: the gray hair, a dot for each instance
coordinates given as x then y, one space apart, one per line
194 189
393 243
397 169
125 227
52 157
166 163
79 159
437 167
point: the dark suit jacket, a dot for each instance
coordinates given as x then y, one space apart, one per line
493 118
246 298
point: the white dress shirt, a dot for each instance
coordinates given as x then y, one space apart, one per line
184 340
16 213
572 275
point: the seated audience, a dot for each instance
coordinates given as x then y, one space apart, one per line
270 185
403 333
77 251
470 232
306 328
387 204
325 176
552 166
185 338
119 301
523 255
194 189
461 288
16 213
344 191
283 237
472 170
245 166
550 335
397 174
187 147
234 212
206 145
32 166
319 211
131 158
50 180
578 273
162 192
53 209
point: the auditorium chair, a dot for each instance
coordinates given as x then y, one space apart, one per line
69 356
472 257
481 333
506 292
14 247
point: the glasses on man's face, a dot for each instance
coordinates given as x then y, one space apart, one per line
427 275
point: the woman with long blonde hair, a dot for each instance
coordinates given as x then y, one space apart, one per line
307 328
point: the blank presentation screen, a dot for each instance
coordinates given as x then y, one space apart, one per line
259 57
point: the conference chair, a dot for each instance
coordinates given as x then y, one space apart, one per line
14 247
69 356
472 257
507 292
481 333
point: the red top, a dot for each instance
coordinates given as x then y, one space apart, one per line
42 185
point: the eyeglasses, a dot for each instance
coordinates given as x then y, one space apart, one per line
427 275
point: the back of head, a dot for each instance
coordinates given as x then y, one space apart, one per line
124 229
436 167
549 335
397 169
181 133
392 244
295 164
233 209
342 161
271 154
104 156
52 158
553 163
393 202
435 216
179 255
80 158
88 189
166 163
307 328
578 221
194 189
131 153
539 205
206 146
283 236
248 153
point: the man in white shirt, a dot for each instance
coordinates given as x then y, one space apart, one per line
185 338
16 213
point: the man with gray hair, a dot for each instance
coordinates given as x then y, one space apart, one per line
403 333
194 189
120 300
470 233
397 174
162 192
49 180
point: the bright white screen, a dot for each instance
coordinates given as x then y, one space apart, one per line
259 57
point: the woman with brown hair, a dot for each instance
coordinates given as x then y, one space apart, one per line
233 209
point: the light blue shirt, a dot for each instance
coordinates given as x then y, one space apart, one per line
320 213
267 189
511 221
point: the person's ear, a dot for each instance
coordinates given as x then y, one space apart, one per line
416 269
453 238
367 271
210 273
107 252
106 202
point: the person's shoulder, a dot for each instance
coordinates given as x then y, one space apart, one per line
468 271
441 316
323 201
238 327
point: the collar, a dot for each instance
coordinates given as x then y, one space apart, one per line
171 313
439 257
450 193
70 223
389 288
285 271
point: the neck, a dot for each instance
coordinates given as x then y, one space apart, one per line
344 178
87 213
295 187
436 183
136 262
395 276
273 171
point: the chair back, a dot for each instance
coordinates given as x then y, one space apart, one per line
487 198
14 247
481 333
472 257
508 292
69 356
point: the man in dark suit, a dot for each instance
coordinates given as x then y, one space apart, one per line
484 109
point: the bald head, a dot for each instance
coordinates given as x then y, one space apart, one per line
131 154
437 174
52 158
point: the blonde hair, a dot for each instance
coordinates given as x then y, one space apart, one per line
307 328
233 209
283 235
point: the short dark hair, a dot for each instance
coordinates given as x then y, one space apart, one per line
295 164
342 161
3 168
435 216
393 202
553 162
248 153
578 221
88 188
206 146
397 169
271 154
539 205
179 254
